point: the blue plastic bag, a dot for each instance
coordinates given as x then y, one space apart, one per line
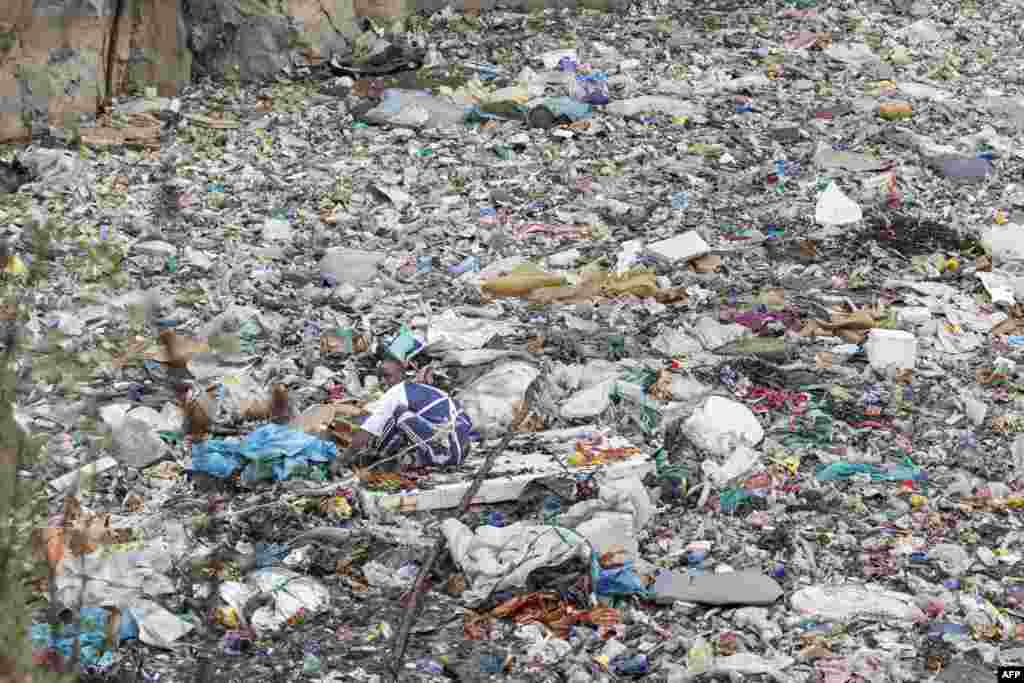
620 581
217 457
276 451
270 452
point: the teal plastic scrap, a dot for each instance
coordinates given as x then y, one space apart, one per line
845 470
94 648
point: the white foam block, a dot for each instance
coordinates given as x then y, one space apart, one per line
683 247
447 489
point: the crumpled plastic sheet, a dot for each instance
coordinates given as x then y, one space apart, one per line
490 400
848 601
719 425
453 332
496 558
294 596
268 452
872 666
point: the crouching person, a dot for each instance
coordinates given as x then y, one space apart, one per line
416 423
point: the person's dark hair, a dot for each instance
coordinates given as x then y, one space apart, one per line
385 357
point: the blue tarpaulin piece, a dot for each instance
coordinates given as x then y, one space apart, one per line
269 452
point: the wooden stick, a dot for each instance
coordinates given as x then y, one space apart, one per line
411 612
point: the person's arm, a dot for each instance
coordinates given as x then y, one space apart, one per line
388 404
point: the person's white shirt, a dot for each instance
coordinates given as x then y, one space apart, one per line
384 408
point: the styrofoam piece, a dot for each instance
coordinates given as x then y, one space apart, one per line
65 481
891 348
447 489
554 435
1005 242
914 315
683 247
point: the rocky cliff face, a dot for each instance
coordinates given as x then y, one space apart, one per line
60 60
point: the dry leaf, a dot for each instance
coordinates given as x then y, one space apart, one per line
211 122
145 131
662 387
522 418
850 327
476 626
133 502
165 470
532 422
808 249
983 264
823 360
132 351
1013 324
709 263
853 336
773 297
456 585
316 419
196 412
332 343
71 512
536 344
176 350
258 409
280 407
905 376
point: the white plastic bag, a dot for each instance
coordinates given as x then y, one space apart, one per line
491 400
719 425
835 208
742 462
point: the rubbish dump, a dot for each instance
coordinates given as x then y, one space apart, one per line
712 314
